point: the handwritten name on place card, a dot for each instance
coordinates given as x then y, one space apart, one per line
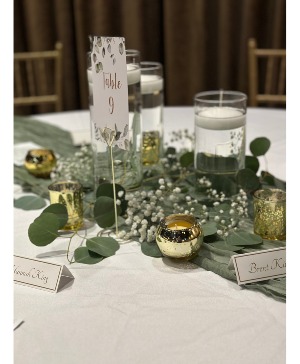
260 265
38 274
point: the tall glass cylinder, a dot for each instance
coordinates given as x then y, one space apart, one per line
152 112
220 134
127 163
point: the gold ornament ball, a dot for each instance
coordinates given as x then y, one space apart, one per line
40 162
179 236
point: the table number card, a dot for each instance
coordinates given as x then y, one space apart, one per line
260 265
110 90
39 274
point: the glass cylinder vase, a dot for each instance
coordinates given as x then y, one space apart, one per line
127 164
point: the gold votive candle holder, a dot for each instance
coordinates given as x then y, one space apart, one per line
270 214
40 162
179 236
70 194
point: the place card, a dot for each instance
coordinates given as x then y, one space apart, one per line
259 265
39 274
110 89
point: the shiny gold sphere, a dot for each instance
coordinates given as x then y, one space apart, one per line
179 236
40 162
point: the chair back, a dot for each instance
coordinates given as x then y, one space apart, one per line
38 78
267 75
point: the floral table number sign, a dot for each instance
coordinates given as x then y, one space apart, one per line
110 91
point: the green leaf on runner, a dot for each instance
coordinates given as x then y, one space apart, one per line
44 229
151 249
242 238
83 255
260 146
105 246
104 211
30 203
60 211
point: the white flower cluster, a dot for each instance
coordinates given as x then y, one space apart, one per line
183 137
238 209
79 167
146 208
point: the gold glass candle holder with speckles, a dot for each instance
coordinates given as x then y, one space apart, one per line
270 214
40 162
179 236
70 194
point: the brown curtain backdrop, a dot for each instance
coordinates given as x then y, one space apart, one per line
201 43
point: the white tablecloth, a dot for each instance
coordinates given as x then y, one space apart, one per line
131 308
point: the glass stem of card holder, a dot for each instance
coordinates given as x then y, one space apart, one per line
127 160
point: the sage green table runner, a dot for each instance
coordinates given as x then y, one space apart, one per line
47 136
60 141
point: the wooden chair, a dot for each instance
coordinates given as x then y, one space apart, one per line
267 75
38 78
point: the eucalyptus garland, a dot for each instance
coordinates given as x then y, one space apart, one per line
170 187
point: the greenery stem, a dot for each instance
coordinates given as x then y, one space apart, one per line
68 250
266 163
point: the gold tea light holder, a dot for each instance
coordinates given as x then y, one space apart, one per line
270 213
40 162
179 236
70 194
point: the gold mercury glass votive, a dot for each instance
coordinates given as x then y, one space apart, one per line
270 214
179 236
70 194
40 162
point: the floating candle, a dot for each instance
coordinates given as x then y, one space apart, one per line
151 84
220 118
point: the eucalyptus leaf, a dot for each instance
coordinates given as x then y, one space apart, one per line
151 249
270 180
121 222
29 203
44 229
252 163
170 150
105 246
248 180
104 211
186 159
260 146
106 189
242 238
209 228
60 211
83 255
223 245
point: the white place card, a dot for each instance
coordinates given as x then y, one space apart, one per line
110 88
259 265
39 274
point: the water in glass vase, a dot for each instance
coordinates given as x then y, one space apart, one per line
152 111
220 144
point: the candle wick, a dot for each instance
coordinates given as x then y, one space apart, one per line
221 98
176 227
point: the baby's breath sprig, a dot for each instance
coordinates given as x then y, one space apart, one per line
146 208
78 167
